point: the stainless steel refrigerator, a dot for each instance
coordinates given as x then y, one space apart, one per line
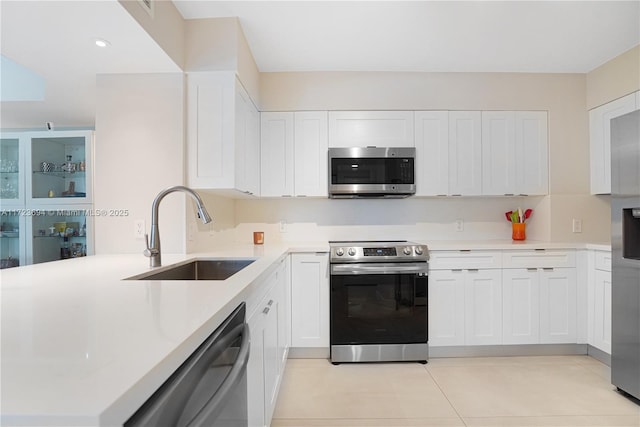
625 245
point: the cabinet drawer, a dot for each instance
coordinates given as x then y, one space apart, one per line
451 260
539 259
603 260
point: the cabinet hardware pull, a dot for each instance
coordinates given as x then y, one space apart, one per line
457 270
473 270
270 303
539 250
456 195
465 250
266 310
548 269
532 269
508 194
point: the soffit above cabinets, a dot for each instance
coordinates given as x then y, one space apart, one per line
430 36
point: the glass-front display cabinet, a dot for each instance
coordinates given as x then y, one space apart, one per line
60 232
46 196
11 171
60 168
12 241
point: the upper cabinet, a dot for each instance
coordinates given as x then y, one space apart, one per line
432 153
46 168
465 153
277 154
514 153
371 128
12 172
600 139
469 153
222 134
294 154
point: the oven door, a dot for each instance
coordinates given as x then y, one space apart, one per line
379 303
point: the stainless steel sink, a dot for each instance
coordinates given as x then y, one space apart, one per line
210 269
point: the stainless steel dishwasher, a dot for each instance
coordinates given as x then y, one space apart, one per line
210 387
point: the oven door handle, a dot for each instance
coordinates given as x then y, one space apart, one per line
379 268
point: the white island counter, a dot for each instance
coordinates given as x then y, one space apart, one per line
82 346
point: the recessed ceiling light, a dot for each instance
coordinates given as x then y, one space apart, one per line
102 43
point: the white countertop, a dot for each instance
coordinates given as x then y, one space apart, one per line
454 245
82 346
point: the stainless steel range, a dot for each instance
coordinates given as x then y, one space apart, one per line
379 303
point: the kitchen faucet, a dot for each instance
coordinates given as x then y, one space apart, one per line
153 247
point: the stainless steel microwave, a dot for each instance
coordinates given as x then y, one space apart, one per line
372 172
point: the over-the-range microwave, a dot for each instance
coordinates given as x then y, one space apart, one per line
372 172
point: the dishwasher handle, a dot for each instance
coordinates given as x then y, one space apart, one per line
217 401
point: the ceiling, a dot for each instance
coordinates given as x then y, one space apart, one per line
55 39
433 36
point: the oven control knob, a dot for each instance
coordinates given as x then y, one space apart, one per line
418 250
407 250
352 252
339 251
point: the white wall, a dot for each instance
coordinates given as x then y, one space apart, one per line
139 150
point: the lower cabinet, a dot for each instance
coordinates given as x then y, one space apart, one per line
310 300
602 311
508 297
269 346
465 307
539 306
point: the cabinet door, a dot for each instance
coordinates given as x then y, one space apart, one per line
283 286
465 153
210 130
483 307
602 311
70 182
247 144
520 306
558 305
531 153
311 146
13 169
498 153
255 371
309 300
277 144
432 153
371 128
446 307
600 140
272 358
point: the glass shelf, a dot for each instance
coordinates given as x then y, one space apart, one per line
61 174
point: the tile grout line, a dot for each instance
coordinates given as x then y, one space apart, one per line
445 395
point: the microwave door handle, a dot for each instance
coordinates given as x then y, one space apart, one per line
382 268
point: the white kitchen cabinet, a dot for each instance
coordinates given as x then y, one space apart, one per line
247 144
521 306
600 139
446 308
310 151
371 128
514 153
269 346
294 154
432 153
310 300
277 133
465 153
540 297
465 298
483 307
222 134
558 309
599 312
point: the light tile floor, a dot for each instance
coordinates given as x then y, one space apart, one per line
487 391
